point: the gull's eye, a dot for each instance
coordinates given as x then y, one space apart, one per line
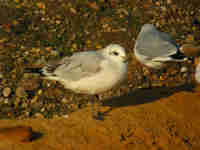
116 53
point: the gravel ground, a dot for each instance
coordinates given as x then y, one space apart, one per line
33 32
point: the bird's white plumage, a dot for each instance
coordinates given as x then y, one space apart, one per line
91 72
153 48
197 73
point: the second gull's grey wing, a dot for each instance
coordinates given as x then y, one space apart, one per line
153 43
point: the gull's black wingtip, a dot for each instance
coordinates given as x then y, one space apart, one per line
179 56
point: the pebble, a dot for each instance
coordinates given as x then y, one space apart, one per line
38 115
1 99
34 100
65 116
190 38
6 101
20 92
157 3
43 109
169 2
64 100
30 84
93 5
6 91
184 69
73 10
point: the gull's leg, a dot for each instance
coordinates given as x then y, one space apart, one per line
96 114
147 73
156 77
147 82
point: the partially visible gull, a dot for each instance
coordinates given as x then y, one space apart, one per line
197 73
190 50
90 72
154 48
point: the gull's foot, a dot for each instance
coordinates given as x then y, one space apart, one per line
98 116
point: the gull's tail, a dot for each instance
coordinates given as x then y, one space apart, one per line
44 72
34 70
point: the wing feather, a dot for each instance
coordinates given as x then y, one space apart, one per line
75 67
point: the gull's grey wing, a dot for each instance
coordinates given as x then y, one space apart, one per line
153 43
76 66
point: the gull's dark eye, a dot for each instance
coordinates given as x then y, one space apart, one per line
116 53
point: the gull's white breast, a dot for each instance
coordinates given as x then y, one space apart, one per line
110 75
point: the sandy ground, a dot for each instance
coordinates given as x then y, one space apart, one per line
157 119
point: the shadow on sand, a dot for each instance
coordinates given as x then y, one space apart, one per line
142 96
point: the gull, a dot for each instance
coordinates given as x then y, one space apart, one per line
193 51
154 48
90 72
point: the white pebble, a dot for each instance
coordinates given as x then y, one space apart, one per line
184 69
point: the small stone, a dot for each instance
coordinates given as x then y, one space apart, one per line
73 10
64 100
38 115
65 116
163 8
43 109
98 46
41 5
15 22
88 42
20 92
93 5
1 75
74 46
184 69
6 91
17 102
1 99
169 1
39 92
157 3
190 38
196 61
3 40
34 100
58 21
6 101
30 84
24 105
55 116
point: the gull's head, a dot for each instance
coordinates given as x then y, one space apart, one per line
115 52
